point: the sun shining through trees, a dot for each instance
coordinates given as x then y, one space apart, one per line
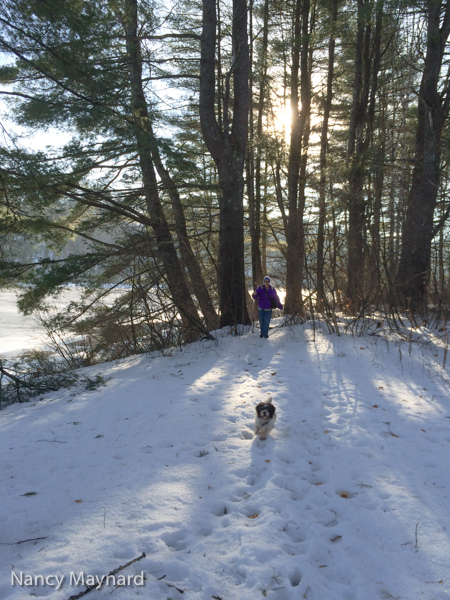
282 120
183 136
282 116
157 161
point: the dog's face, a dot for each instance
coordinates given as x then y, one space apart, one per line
265 410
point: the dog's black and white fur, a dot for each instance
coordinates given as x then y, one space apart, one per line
265 418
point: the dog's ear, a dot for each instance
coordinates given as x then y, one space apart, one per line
259 407
271 409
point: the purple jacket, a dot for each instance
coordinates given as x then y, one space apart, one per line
264 296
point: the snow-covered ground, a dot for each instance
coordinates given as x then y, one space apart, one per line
348 499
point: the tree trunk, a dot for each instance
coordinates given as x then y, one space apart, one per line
376 235
198 283
256 237
367 63
323 162
227 147
176 280
417 235
250 158
297 162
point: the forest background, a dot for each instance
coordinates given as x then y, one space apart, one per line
200 146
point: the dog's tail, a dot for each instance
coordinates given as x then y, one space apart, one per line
270 400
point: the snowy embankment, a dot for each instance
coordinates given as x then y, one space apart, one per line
348 499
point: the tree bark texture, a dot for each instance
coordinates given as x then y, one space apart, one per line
414 265
323 161
190 262
367 64
256 232
297 158
227 147
175 276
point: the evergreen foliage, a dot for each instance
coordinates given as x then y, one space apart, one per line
39 373
129 204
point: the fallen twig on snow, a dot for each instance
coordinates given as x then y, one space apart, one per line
94 586
22 541
174 586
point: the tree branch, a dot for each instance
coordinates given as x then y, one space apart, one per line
165 36
114 572
441 222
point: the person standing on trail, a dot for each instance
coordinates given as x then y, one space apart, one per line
267 300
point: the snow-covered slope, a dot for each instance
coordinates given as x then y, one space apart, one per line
348 499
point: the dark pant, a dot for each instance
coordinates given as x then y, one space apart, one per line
264 321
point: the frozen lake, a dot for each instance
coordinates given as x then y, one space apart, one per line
18 332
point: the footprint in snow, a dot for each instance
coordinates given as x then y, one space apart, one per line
240 576
315 480
231 571
284 484
252 511
295 577
215 406
295 534
124 552
253 479
285 458
220 510
176 540
241 473
325 516
292 550
241 491
220 437
316 466
252 475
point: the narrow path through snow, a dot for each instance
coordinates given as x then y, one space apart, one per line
163 460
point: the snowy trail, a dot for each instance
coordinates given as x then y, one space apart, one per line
163 460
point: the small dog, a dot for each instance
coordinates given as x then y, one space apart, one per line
265 418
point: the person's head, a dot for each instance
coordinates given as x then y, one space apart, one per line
266 281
